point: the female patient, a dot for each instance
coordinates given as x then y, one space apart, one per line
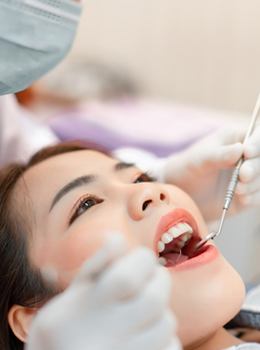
74 195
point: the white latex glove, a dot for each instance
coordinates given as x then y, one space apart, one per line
204 169
116 302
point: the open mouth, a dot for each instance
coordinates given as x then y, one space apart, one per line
177 238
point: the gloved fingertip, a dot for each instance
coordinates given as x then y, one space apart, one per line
233 152
115 243
240 189
238 146
114 247
250 151
246 173
175 344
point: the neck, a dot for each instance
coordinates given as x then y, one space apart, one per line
218 341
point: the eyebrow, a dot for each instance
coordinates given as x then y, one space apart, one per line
84 180
122 165
79 181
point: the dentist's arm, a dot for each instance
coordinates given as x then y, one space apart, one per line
116 302
20 134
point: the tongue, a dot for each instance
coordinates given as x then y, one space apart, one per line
175 258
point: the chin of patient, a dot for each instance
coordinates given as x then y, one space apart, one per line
74 197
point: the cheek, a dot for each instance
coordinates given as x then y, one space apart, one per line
81 241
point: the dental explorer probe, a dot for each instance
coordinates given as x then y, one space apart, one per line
233 181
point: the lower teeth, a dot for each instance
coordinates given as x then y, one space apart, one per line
173 259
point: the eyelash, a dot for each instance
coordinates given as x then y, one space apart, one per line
80 205
144 177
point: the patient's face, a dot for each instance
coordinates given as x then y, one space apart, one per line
79 198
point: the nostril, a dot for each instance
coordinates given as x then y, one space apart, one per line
162 197
145 204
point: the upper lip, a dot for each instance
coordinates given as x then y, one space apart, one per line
171 219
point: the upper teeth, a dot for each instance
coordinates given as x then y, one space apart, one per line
174 232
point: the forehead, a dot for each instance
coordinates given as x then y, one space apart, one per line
45 178
67 165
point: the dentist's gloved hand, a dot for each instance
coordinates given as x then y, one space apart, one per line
116 302
204 170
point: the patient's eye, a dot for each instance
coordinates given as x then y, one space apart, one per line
144 177
83 205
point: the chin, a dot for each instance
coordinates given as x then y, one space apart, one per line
206 302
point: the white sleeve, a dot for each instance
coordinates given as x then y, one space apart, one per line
20 134
144 160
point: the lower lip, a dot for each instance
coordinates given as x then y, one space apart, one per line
209 254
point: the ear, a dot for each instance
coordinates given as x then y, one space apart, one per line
19 319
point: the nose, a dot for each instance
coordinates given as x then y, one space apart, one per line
144 198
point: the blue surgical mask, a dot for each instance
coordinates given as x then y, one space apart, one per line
34 36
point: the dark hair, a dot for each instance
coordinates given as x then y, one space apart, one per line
20 282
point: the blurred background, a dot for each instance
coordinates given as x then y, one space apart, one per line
198 52
159 75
